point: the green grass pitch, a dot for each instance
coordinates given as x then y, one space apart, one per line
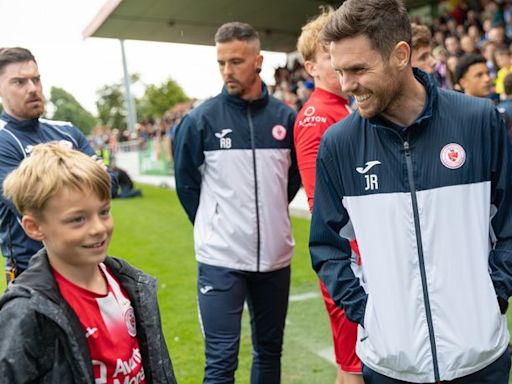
153 234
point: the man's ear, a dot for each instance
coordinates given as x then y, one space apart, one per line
309 66
259 61
463 83
401 54
32 228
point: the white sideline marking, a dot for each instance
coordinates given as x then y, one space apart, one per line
304 296
294 298
327 354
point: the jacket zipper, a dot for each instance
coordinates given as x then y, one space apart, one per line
253 146
423 273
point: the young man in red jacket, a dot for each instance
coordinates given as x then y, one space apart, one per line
326 106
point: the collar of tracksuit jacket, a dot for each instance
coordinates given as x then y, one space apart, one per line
258 103
26 125
423 117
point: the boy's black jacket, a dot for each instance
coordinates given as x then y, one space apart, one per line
42 341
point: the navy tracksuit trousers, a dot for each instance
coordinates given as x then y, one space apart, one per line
221 296
495 373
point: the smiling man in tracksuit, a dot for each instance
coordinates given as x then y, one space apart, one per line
422 177
236 172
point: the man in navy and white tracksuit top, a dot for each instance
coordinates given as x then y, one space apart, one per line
20 130
422 177
236 172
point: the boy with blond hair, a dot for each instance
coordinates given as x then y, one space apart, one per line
326 106
76 315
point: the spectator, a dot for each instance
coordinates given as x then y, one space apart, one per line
304 90
459 12
506 105
451 64
421 56
502 60
452 45
473 25
467 45
236 173
475 33
439 38
488 49
126 188
487 24
441 73
472 75
497 35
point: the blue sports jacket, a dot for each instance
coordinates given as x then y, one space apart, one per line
431 208
17 138
236 172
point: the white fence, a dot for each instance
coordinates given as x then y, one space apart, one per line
129 161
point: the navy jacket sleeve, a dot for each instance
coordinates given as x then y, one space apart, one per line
330 252
500 258
9 161
188 157
294 180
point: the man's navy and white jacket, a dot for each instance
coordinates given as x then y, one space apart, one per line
430 206
236 172
17 138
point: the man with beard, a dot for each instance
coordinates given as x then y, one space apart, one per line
21 128
422 177
236 173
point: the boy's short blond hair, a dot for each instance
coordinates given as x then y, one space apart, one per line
50 168
309 40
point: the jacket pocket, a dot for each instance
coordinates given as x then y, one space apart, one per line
212 221
204 227
366 320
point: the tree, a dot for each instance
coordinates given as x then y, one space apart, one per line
111 108
67 108
159 98
156 101
111 104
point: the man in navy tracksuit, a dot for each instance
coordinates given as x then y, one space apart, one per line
422 177
20 129
236 172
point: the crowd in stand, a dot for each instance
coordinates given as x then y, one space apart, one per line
108 140
470 27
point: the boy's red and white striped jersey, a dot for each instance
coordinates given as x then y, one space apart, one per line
110 329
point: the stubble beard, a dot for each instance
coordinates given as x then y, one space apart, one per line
235 90
34 113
